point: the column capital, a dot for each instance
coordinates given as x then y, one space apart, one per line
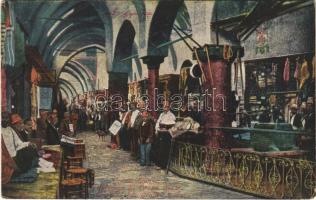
153 62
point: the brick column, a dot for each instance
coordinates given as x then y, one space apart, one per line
215 79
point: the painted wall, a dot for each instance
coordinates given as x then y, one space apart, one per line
292 33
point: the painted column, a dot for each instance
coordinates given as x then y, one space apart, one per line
214 61
153 64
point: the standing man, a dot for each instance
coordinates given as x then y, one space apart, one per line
42 125
166 118
147 132
309 119
125 118
52 129
163 142
132 129
295 119
66 126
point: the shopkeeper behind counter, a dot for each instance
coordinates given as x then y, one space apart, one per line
295 119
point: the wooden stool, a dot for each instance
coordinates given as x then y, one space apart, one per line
75 186
80 151
74 162
78 173
74 169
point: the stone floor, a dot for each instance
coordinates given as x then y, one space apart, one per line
117 175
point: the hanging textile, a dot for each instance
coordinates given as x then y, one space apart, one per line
3 90
184 73
34 101
304 73
286 72
9 57
314 65
274 73
297 73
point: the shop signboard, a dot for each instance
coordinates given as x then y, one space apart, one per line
45 96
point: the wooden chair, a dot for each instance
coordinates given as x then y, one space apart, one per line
74 162
80 151
74 169
74 187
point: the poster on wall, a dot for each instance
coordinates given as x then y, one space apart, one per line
45 95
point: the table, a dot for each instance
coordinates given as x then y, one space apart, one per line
45 187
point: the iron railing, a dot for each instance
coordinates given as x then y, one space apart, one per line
260 175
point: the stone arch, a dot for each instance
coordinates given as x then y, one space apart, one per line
72 81
63 91
123 48
83 74
141 12
69 86
69 59
77 75
161 26
66 39
82 67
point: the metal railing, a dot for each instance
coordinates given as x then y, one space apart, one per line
263 176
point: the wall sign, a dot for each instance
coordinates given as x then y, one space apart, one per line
262 45
45 96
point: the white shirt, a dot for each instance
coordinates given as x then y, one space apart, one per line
292 122
12 141
165 118
124 118
133 117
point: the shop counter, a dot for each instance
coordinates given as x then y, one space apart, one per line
46 185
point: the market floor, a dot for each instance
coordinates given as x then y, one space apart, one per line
117 175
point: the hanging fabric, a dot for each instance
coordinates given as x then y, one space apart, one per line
314 65
9 56
233 77
184 73
304 73
286 72
274 73
297 74
3 90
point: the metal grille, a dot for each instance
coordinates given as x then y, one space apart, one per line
259 175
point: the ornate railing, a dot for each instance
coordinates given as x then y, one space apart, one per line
248 172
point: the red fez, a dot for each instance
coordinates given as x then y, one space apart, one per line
15 118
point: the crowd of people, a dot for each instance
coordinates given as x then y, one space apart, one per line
301 118
146 138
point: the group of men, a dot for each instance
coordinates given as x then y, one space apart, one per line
303 118
20 138
139 131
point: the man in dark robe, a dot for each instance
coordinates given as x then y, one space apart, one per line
52 129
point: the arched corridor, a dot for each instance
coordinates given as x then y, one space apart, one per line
100 98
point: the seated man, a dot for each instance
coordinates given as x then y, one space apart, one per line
66 126
18 126
53 137
30 128
23 153
41 125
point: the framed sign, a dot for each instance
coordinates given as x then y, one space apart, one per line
45 96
